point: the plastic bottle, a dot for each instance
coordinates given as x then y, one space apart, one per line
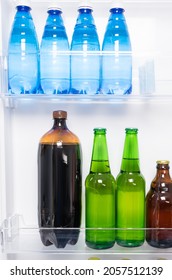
85 59
100 196
159 208
23 52
116 59
130 195
59 184
54 54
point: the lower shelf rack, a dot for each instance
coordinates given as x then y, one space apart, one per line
19 242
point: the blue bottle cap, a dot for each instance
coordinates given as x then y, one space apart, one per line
54 9
26 3
85 5
54 6
117 4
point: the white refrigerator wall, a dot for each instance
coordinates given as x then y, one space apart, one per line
27 119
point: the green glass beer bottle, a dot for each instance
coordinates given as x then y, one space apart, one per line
130 195
100 196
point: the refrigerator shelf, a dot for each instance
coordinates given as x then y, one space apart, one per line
26 242
98 1
11 101
94 2
149 82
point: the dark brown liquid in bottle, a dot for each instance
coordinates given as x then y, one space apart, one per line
159 211
59 191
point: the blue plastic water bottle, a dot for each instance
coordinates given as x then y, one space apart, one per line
54 54
23 53
116 59
85 59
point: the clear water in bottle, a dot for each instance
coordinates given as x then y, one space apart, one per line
54 55
23 54
116 59
85 60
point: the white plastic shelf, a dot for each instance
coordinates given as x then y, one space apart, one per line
26 242
12 101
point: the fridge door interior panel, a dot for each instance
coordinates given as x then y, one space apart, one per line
25 118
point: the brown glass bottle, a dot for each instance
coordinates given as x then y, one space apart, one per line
159 208
59 184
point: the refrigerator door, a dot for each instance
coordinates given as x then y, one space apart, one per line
25 118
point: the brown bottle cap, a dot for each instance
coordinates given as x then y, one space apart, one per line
59 114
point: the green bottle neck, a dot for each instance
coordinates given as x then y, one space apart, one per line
130 161
100 160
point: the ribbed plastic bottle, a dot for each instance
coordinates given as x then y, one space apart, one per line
54 54
117 59
85 59
23 52
159 208
130 195
100 196
59 184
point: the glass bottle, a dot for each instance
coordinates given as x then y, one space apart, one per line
59 184
23 53
130 195
54 54
85 59
100 196
159 208
117 64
